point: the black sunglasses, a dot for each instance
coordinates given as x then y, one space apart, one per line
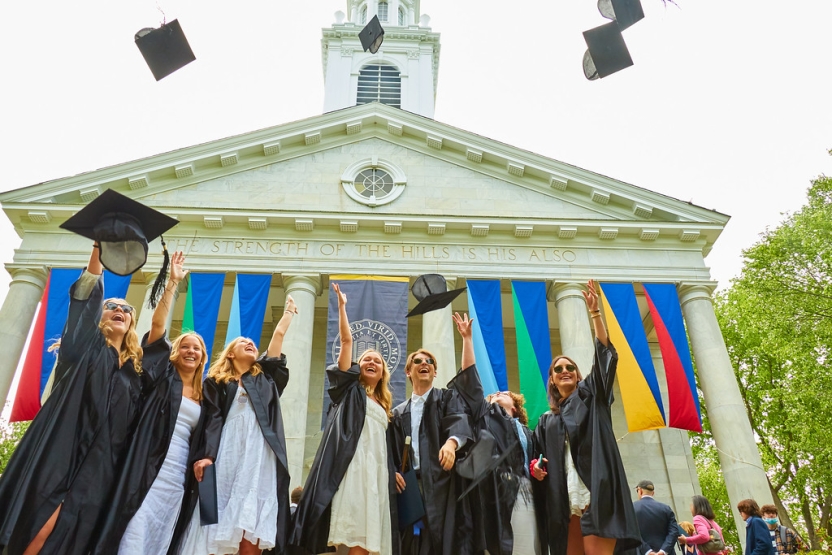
567 368
418 360
126 308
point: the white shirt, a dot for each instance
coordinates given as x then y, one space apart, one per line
417 409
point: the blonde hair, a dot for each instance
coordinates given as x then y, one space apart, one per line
688 527
196 381
222 371
381 393
131 347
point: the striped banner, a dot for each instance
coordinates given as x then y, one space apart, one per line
202 308
666 311
636 374
248 307
49 323
377 311
485 307
534 351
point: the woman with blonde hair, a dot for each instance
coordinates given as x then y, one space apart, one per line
583 499
54 490
151 487
243 435
347 499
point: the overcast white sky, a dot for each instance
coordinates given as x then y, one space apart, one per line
727 105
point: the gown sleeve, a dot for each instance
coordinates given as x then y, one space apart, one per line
468 385
455 421
81 330
212 431
340 381
600 380
155 358
276 369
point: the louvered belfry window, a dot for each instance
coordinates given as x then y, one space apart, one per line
379 83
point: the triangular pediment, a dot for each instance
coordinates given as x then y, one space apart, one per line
295 173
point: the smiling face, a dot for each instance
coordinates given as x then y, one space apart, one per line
564 375
421 369
188 353
117 316
503 398
243 353
372 368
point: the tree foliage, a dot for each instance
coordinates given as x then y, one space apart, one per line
777 322
9 438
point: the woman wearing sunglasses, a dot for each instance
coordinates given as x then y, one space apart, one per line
501 504
243 434
56 485
581 491
351 486
151 486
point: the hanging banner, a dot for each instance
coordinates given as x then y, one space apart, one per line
248 307
636 374
534 350
377 310
49 323
666 311
485 307
202 308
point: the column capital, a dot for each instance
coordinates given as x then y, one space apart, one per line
559 290
688 293
306 282
35 276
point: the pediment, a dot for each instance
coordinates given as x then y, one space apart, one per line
292 173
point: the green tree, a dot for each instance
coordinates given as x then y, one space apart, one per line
9 438
777 322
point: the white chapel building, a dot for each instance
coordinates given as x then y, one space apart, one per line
376 186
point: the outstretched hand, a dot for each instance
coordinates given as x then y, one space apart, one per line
464 325
342 297
177 267
591 296
290 305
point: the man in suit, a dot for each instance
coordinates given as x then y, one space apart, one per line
656 522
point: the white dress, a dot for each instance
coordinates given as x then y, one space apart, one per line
151 528
579 495
360 513
246 488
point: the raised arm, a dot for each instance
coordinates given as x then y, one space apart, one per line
345 356
94 265
591 297
276 343
466 330
160 314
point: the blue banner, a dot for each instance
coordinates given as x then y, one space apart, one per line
202 308
377 311
248 307
485 307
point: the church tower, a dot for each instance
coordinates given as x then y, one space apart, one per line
403 73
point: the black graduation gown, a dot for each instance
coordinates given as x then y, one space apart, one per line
449 522
264 391
345 420
70 454
586 420
147 454
492 501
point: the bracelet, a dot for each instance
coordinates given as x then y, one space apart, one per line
596 315
289 312
595 311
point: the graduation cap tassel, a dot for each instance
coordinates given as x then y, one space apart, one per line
159 284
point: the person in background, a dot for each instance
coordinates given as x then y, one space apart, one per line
688 530
757 536
294 499
703 523
785 539
656 521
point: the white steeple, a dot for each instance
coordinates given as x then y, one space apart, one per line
403 73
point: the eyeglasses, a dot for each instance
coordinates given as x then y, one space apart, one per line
419 360
126 308
565 368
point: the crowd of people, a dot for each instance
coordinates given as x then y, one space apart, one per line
116 459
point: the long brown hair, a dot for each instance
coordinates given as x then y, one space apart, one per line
555 398
196 381
223 369
131 347
381 393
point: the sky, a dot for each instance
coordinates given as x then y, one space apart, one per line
726 106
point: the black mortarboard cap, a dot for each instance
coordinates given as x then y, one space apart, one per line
122 227
372 35
431 291
607 51
164 49
624 12
482 459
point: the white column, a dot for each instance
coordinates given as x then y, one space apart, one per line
576 337
438 338
16 316
739 458
297 345
146 313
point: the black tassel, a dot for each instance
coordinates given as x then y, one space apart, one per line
161 279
